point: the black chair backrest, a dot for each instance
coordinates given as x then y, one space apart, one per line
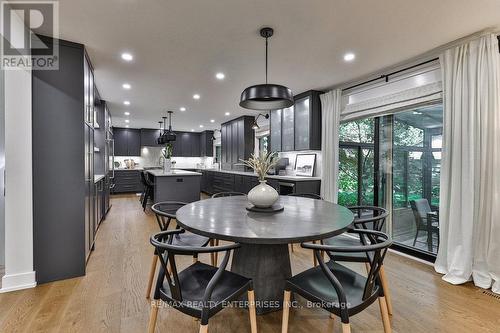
227 194
165 211
306 195
374 242
166 253
369 217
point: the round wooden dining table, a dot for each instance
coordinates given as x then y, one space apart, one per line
264 237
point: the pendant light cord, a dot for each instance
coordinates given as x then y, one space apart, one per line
266 60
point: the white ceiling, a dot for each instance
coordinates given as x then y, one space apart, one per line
179 45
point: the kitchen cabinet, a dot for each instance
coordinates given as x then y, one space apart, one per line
149 137
237 142
207 143
308 121
275 133
298 127
63 205
128 181
127 141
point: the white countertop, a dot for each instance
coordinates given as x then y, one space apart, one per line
98 178
173 173
247 173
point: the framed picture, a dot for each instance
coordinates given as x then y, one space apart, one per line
304 164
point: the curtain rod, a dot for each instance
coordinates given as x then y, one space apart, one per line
424 58
386 76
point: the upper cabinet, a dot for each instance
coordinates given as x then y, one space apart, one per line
127 141
207 143
297 127
149 137
237 142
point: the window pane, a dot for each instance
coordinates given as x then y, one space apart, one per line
360 131
348 177
367 165
437 141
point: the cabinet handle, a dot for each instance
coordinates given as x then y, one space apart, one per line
180 180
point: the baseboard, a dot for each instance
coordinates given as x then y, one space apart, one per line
12 282
411 257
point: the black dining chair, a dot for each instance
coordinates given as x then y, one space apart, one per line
200 290
338 289
425 220
310 196
215 242
165 212
366 218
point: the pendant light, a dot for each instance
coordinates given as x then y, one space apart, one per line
167 135
266 96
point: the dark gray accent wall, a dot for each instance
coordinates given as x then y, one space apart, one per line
58 167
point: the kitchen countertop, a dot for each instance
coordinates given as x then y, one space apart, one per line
98 178
248 173
125 169
173 173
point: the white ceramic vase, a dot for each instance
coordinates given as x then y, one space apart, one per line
263 195
167 165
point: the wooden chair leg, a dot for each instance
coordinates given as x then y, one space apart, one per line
152 271
286 312
153 316
251 310
385 287
346 328
203 328
385 315
315 261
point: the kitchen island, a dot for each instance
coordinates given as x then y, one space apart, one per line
177 185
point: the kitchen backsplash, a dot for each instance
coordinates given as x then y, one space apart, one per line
151 156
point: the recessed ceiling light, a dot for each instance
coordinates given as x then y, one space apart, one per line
201 126
196 96
182 109
220 76
127 121
126 126
126 86
349 56
127 56
192 130
127 113
126 102
212 121
227 113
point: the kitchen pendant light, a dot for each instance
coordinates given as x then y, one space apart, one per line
266 96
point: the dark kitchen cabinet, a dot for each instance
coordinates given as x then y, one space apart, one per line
275 135
237 142
63 197
308 121
149 137
207 143
127 141
298 127
288 129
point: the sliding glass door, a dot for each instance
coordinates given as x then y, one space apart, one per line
394 161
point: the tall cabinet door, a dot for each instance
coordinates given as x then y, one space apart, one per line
234 143
287 128
275 121
120 135
302 124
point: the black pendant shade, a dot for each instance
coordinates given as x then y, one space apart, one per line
266 96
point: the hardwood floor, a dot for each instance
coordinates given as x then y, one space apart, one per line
111 297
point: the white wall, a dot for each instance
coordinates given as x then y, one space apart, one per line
19 272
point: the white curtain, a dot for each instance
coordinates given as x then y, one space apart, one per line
470 183
331 105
